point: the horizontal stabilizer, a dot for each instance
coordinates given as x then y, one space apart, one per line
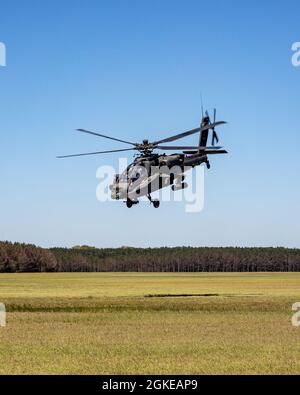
215 152
208 152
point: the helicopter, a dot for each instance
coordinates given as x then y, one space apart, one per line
151 171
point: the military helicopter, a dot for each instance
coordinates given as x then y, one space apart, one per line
151 171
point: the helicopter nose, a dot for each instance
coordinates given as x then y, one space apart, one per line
117 192
115 196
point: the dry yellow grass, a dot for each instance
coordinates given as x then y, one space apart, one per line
102 324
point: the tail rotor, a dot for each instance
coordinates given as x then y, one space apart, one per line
207 120
215 137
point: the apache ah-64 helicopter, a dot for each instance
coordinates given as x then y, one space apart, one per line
150 172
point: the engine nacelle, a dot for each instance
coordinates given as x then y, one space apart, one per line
194 160
170 160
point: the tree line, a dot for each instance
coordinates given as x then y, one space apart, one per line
17 257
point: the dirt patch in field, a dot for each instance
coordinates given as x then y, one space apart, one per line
178 295
196 295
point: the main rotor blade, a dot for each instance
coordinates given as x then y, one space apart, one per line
211 152
214 138
96 153
182 147
106 137
215 152
189 132
177 136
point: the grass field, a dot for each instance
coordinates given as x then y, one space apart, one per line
87 323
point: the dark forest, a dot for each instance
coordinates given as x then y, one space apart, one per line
16 257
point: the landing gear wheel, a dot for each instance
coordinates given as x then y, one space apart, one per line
129 203
156 203
208 165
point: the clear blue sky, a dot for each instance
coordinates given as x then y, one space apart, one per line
135 69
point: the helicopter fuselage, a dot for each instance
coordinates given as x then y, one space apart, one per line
149 173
